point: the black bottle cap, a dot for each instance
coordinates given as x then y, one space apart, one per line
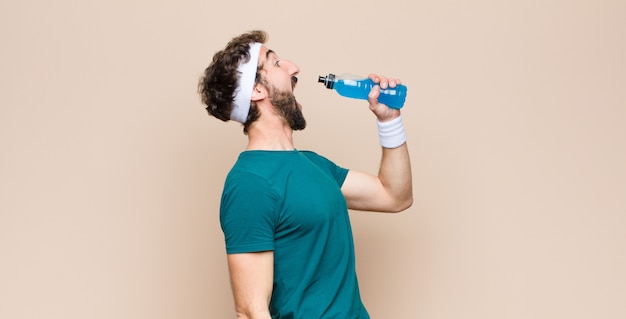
329 80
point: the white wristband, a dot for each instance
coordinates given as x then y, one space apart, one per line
391 133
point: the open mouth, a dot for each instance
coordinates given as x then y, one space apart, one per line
294 81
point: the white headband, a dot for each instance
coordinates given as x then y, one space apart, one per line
243 92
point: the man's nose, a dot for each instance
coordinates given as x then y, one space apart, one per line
293 69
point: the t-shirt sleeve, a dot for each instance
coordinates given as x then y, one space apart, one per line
339 173
247 214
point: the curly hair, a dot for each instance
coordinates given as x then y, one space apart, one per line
217 86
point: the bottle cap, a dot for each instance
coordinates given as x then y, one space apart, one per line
329 80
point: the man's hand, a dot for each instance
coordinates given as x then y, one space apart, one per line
382 112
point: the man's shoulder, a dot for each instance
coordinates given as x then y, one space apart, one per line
317 158
313 155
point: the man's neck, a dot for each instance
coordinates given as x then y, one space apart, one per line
270 136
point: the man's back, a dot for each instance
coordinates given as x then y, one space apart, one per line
291 202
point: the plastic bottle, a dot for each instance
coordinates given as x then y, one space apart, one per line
358 87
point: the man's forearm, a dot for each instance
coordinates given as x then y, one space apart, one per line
395 175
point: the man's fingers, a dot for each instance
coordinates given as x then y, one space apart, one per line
384 82
372 97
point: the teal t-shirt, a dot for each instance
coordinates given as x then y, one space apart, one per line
290 202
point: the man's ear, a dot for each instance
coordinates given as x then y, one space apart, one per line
259 92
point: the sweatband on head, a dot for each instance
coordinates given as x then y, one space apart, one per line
245 85
391 134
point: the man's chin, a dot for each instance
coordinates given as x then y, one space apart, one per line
298 124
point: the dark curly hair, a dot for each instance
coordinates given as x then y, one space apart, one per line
217 85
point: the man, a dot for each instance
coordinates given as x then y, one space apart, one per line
284 212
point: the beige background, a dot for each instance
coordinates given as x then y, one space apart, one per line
111 170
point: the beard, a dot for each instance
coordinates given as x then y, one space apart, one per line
286 106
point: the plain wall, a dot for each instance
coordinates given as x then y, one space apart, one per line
111 171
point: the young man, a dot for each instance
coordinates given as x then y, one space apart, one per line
284 212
